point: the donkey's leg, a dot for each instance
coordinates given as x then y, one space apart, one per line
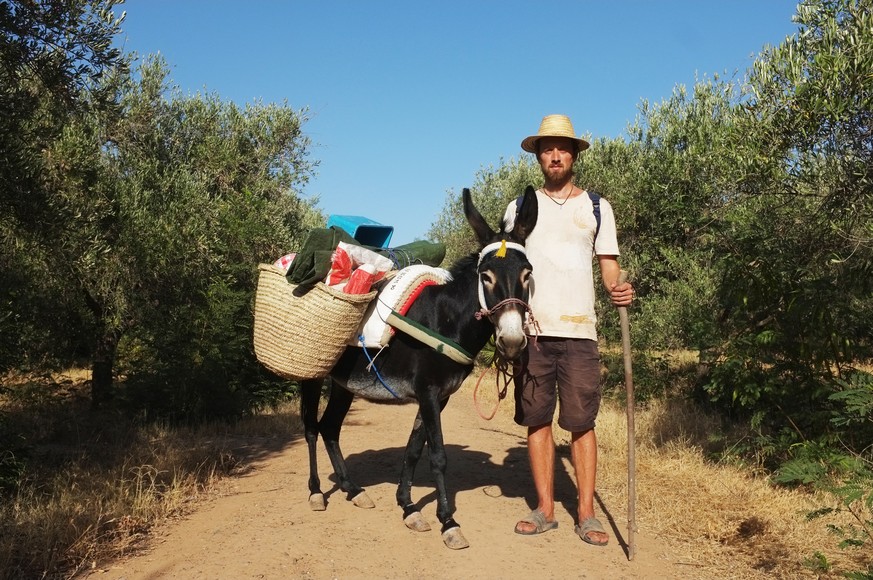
330 425
310 393
430 408
414 448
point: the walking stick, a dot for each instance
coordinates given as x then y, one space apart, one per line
631 449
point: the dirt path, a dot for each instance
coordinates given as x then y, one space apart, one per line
261 525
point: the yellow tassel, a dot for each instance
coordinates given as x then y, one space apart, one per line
501 253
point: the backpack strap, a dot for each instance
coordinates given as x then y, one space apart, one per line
595 201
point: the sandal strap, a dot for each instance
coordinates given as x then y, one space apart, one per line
592 524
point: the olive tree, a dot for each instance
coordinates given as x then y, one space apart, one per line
162 213
798 241
52 56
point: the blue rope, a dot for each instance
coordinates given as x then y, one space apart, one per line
373 366
402 258
393 258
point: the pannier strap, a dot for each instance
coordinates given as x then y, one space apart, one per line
432 339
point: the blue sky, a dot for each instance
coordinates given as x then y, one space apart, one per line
409 100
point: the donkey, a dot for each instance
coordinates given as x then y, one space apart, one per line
487 294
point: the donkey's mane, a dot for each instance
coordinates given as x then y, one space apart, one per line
464 265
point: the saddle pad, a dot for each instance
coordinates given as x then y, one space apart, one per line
397 294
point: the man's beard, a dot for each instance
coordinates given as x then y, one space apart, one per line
559 175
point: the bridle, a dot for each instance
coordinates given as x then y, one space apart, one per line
485 312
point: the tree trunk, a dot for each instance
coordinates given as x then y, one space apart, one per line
102 367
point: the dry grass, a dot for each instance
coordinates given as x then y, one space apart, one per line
727 521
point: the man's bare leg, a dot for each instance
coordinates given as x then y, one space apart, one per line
583 449
541 452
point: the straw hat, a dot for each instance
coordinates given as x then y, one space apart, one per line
554 126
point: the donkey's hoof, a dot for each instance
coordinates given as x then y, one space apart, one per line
454 539
317 503
416 522
362 500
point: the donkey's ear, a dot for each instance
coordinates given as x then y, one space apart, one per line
483 231
526 217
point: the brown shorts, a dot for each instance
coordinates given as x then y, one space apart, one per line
558 368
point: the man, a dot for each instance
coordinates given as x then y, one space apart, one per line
564 363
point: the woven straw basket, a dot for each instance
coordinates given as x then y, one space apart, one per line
303 337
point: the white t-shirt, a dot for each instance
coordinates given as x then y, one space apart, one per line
560 251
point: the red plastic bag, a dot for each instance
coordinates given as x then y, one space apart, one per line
340 266
348 259
361 279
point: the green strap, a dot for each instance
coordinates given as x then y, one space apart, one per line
425 335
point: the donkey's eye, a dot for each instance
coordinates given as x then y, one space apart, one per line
525 277
488 279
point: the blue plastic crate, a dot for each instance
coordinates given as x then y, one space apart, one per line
364 230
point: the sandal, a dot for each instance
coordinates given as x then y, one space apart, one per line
592 524
538 519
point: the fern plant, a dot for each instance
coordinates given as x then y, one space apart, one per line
833 466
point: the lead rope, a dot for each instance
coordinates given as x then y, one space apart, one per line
501 366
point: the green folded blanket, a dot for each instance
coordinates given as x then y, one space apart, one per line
417 252
312 262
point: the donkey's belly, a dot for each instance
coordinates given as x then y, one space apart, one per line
355 372
392 378
388 390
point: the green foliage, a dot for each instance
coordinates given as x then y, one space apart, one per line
675 183
195 192
848 481
133 216
795 242
50 56
856 398
653 375
846 475
859 575
153 217
65 47
817 563
677 311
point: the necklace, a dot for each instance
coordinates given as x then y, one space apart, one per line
566 197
